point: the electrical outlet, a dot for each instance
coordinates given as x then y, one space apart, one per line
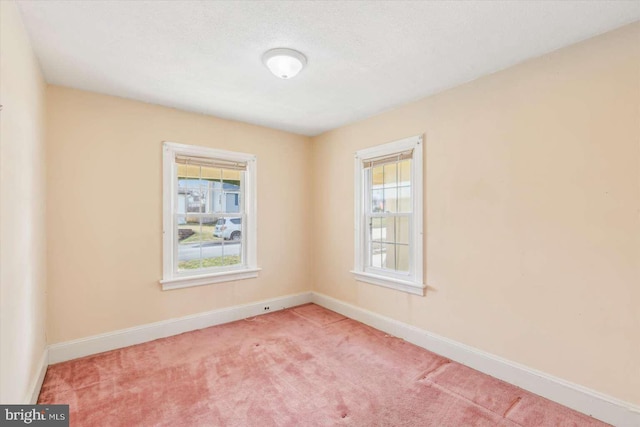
266 308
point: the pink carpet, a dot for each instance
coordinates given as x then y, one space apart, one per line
305 366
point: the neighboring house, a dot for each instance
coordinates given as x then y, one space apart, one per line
204 196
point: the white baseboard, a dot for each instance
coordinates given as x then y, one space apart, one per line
579 398
152 331
38 379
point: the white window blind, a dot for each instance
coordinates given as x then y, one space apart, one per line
381 160
211 163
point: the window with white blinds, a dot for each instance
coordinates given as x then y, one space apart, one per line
209 216
389 215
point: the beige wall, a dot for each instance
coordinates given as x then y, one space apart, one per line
22 211
104 183
532 213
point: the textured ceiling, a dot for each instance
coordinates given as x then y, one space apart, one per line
364 57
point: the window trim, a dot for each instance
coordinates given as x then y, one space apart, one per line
172 280
413 281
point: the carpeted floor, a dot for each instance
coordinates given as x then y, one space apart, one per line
305 366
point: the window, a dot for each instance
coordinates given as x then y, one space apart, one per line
389 212
209 231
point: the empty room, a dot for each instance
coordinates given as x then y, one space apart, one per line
319 213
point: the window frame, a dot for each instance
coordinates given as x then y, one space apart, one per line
171 279
411 282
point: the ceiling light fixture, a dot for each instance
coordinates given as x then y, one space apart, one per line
284 63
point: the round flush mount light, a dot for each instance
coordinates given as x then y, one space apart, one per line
284 63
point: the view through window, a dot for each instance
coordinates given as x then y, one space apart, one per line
389 215
209 212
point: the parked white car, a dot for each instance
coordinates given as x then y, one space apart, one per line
228 228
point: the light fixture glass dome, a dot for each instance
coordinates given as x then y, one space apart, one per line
284 63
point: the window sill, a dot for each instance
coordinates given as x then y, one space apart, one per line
208 279
390 282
